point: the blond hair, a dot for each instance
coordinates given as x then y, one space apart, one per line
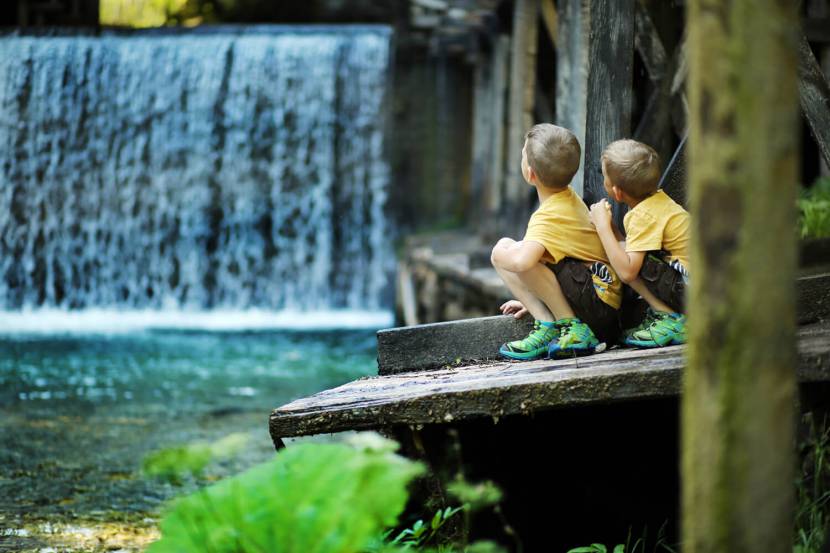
553 154
632 166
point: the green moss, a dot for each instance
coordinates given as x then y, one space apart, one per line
814 210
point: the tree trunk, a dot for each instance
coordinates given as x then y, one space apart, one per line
738 398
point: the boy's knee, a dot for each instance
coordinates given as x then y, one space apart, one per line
501 244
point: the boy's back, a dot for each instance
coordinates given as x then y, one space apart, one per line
659 223
562 224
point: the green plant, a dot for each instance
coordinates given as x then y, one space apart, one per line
597 548
814 210
172 463
813 491
312 498
420 533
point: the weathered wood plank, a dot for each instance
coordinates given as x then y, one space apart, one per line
522 92
648 43
409 349
814 94
610 100
551 20
572 74
502 389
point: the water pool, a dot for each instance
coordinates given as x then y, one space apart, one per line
78 413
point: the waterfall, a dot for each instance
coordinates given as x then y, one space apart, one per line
194 171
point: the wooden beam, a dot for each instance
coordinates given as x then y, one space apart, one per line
739 386
500 60
522 91
814 95
648 43
458 394
551 20
610 95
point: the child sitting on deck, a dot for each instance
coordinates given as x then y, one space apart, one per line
653 260
559 271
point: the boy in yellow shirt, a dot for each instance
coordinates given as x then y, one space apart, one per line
654 258
558 272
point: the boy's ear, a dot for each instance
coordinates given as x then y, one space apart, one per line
617 193
531 175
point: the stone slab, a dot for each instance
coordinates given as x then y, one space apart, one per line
415 348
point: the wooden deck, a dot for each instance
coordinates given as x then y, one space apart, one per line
507 388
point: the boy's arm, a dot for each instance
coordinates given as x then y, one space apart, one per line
627 265
517 257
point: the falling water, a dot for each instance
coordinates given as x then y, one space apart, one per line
194 172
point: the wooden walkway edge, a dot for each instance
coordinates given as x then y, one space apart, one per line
504 388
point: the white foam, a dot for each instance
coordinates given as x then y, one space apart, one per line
111 321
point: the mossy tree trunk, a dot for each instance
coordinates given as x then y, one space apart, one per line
738 392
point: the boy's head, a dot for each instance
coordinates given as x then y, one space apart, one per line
632 168
550 156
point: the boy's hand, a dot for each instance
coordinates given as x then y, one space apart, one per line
514 307
601 214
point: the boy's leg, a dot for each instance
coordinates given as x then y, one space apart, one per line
639 286
543 291
662 326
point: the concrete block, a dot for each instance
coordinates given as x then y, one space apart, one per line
421 347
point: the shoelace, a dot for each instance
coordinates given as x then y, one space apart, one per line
537 336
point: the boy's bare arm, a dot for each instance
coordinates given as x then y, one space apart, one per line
627 265
517 257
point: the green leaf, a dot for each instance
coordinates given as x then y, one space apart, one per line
619 548
326 498
436 520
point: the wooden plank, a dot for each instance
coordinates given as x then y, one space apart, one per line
814 94
502 389
648 43
500 60
520 112
572 74
551 20
610 100
483 130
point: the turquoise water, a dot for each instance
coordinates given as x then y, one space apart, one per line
78 413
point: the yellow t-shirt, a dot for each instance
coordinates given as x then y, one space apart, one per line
658 223
562 225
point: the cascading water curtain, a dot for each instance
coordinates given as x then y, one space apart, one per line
194 171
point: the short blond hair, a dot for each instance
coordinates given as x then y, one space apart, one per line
632 166
553 154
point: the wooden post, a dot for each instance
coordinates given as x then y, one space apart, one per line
611 59
501 53
483 129
572 73
738 395
522 91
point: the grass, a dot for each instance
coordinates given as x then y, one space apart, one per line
812 517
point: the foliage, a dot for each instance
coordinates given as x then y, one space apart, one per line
312 498
139 13
597 548
475 496
420 533
171 464
812 517
814 210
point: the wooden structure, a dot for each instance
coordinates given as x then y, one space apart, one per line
606 69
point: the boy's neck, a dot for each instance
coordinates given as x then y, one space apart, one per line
632 202
545 192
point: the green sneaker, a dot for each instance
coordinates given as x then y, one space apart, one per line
658 330
575 338
645 323
534 346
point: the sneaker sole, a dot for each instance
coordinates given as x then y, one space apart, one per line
529 356
571 353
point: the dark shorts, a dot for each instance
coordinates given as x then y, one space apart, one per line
575 280
664 281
